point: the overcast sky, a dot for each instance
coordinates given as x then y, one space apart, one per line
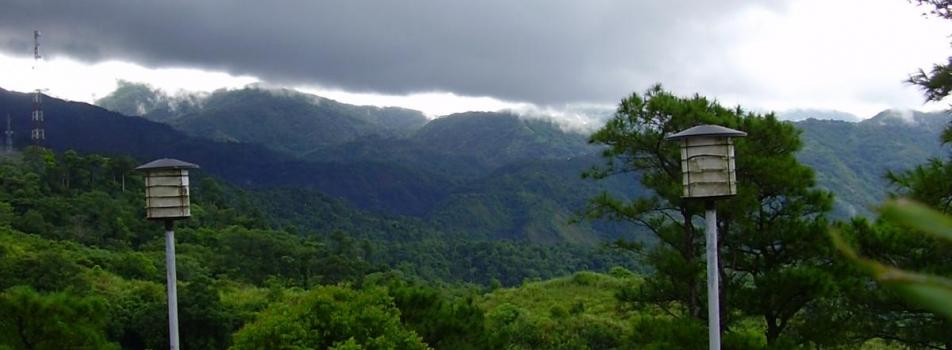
444 56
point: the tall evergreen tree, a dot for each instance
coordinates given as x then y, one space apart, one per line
773 245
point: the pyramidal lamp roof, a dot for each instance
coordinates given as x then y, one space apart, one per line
166 163
706 130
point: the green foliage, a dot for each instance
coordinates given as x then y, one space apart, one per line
88 238
256 255
445 318
929 183
535 201
937 83
137 313
508 262
929 291
888 249
667 333
204 321
31 261
574 312
773 244
30 320
229 232
73 197
326 317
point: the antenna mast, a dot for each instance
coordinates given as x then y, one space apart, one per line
38 134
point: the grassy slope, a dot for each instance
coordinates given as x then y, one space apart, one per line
575 312
595 290
584 297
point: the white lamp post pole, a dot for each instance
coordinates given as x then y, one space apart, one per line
713 294
170 282
167 199
707 168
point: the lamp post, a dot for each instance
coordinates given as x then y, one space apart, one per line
167 199
708 173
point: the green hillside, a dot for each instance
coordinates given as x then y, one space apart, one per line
500 138
851 159
385 187
74 244
514 178
139 99
466 146
281 119
580 311
96 200
535 201
503 176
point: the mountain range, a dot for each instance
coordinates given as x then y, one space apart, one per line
801 114
483 175
851 159
385 186
849 154
280 119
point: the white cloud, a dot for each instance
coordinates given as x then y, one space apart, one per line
433 104
848 55
74 80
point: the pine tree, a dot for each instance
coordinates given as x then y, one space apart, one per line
774 249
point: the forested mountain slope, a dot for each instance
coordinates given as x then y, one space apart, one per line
281 119
850 156
80 265
497 139
91 129
466 146
482 175
851 159
384 185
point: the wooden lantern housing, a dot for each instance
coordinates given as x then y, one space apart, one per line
707 161
166 189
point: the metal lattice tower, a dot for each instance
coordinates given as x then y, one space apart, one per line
38 134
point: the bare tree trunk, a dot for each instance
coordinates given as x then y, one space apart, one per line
773 330
694 308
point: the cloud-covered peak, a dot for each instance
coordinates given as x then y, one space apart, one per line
799 114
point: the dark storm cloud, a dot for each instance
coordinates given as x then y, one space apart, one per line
544 52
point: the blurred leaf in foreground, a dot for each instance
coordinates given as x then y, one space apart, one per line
931 292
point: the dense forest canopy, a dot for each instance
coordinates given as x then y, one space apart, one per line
74 237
